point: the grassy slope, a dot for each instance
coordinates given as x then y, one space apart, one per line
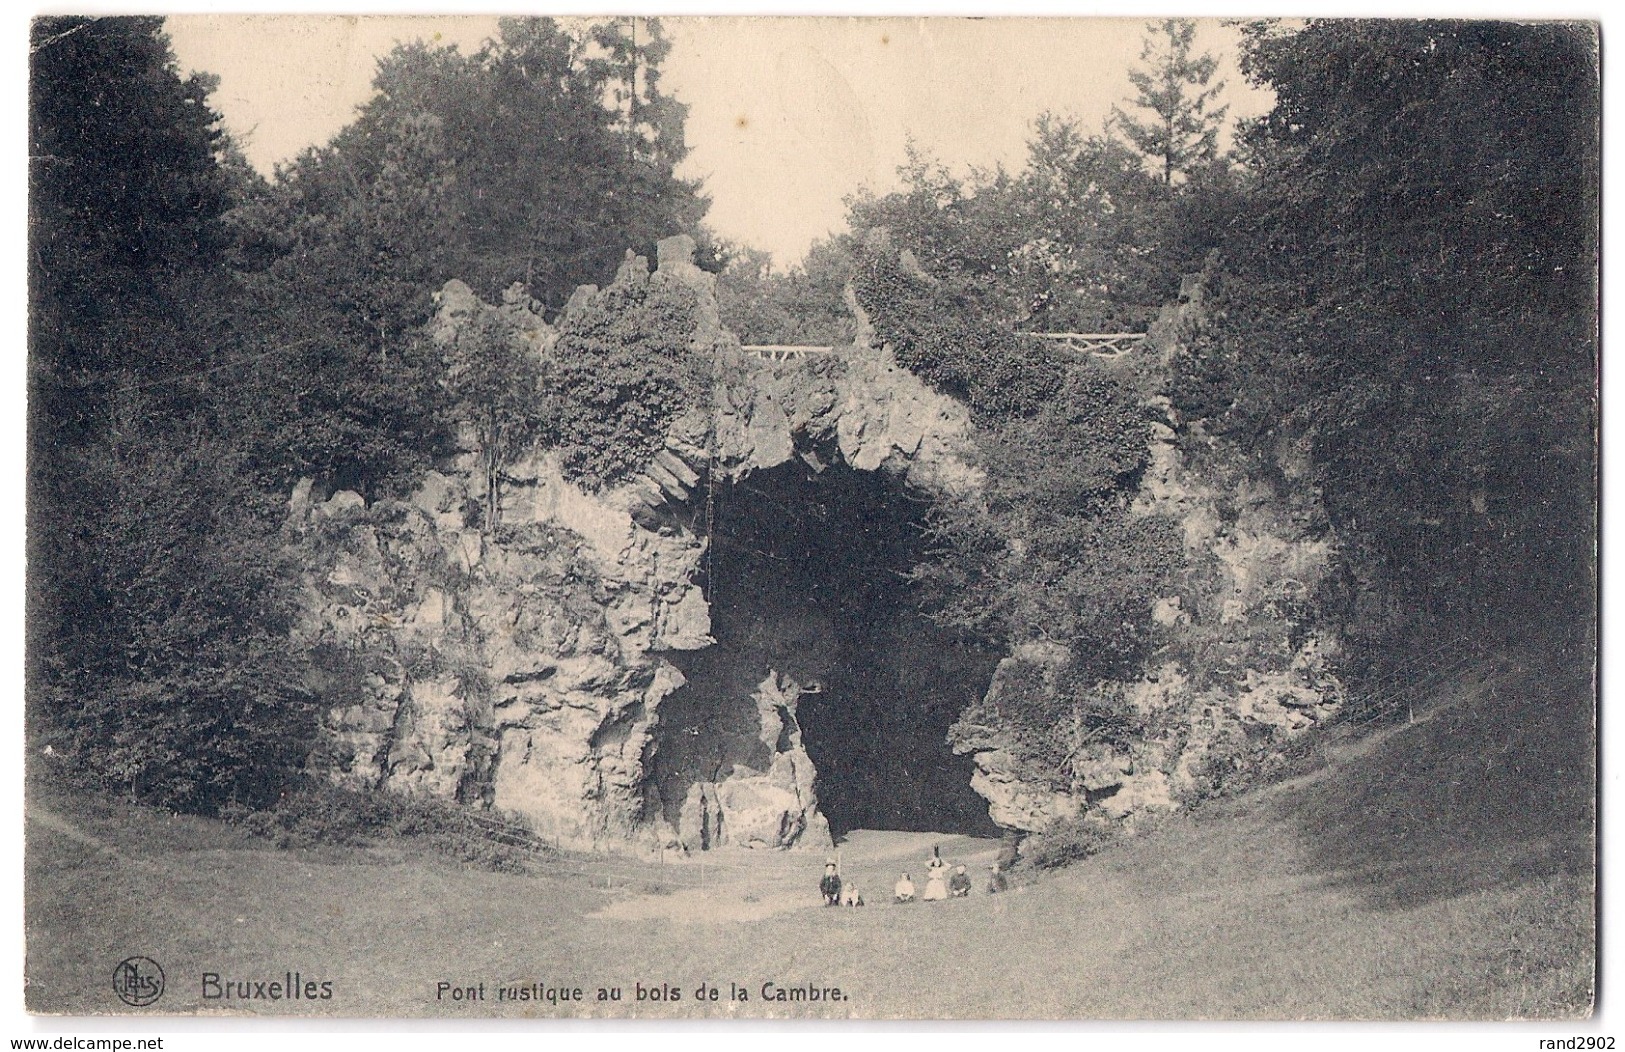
1439 869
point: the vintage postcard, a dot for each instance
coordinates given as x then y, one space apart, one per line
812 518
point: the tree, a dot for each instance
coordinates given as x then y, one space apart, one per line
1081 238
562 147
171 676
159 609
339 266
1180 134
965 231
494 378
805 304
513 164
125 205
1414 297
1097 255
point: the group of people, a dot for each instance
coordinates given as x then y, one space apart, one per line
939 883
835 893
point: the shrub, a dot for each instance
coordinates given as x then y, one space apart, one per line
493 377
1048 550
1087 442
944 343
164 663
620 373
327 814
1065 841
321 815
1046 718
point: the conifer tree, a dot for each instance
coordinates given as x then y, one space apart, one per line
1181 133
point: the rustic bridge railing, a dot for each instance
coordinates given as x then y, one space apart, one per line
784 352
1099 344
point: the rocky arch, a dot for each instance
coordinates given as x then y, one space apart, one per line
544 673
729 760
534 674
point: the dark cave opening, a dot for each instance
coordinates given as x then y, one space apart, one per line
809 578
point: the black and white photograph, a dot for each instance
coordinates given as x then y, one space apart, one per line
811 518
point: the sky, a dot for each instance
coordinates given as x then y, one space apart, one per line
787 116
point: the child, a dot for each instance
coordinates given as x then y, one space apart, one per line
830 886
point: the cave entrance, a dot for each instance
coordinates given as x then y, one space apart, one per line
809 578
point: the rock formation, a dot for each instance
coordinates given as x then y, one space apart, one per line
1239 668
528 670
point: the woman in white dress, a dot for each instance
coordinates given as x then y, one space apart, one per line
936 877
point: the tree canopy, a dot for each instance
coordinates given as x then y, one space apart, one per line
1412 289
159 604
1180 135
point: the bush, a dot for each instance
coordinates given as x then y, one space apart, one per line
310 817
1067 840
332 815
621 372
1048 719
1048 550
1087 442
164 604
982 364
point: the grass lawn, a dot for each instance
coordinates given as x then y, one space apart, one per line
1441 869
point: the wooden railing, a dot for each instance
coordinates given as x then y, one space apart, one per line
784 352
1099 344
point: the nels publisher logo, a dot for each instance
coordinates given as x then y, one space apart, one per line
138 981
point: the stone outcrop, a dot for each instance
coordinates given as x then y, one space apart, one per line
776 807
1239 668
526 671
513 674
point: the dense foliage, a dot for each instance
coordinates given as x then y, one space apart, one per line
1412 291
1081 239
328 815
169 672
494 378
802 305
201 338
622 370
159 659
538 160
1048 551
125 201
937 333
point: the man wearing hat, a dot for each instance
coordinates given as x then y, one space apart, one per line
830 886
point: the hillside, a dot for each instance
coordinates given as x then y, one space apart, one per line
1440 868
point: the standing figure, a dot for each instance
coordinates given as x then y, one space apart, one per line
830 886
904 891
936 889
